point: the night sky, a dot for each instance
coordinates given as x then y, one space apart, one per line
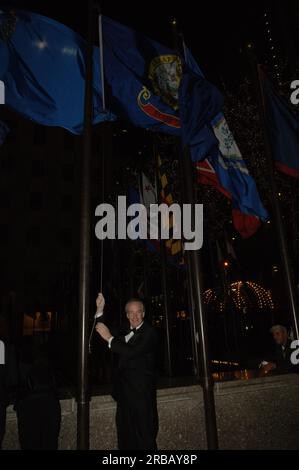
215 31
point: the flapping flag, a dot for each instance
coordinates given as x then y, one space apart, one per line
199 103
174 247
147 191
226 170
144 80
228 173
43 68
283 130
147 195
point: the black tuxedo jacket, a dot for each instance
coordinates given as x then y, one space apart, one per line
135 375
139 354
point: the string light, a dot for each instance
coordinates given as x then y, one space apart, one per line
273 52
244 295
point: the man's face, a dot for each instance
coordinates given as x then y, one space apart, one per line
135 314
280 337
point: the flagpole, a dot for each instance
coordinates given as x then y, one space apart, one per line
165 290
102 76
195 349
165 286
105 131
199 313
84 270
195 352
284 250
101 49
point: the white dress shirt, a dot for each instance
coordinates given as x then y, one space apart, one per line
127 337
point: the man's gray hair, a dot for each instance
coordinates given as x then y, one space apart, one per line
133 300
278 328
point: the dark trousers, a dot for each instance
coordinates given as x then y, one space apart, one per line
2 422
137 422
39 419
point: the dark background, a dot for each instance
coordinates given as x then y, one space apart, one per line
40 180
215 31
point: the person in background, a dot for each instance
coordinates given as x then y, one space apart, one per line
3 400
281 362
8 375
38 410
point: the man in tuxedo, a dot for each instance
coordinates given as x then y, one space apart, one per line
135 387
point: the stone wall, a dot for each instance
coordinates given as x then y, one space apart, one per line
254 414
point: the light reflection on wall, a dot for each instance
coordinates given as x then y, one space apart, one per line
233 375
39 323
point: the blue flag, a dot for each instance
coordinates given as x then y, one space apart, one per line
4 130
203 143
283 131
227 171
43 69
145 79
199 103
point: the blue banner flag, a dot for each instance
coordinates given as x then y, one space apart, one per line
4 130
147 196
43 69
145 79
199 103
283 130
227 171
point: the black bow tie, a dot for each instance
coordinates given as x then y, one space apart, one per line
133 330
